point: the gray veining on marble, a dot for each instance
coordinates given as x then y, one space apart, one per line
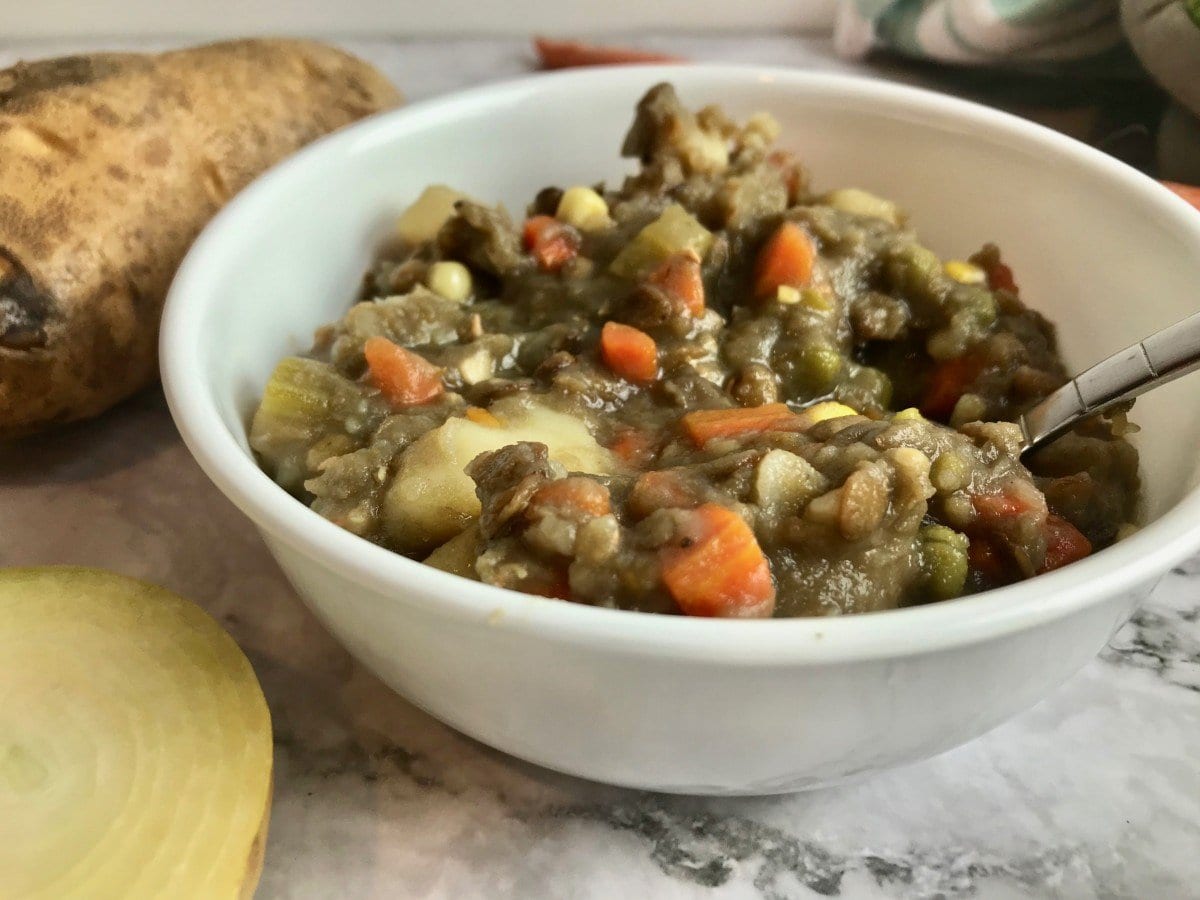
1093 793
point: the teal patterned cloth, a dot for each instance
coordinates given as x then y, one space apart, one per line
1084 36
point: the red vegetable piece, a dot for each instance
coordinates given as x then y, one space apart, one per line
551 243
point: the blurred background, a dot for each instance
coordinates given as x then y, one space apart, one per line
1123 75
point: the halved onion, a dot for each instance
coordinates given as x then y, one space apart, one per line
135 743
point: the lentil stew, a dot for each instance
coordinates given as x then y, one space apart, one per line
711 390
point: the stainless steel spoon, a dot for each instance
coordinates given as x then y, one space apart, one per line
1162 357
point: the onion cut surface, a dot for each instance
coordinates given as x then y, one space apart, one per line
135 744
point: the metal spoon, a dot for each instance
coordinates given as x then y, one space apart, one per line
1162 357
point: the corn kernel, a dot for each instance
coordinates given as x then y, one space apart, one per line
450 279
911 414
583 208
785 293
819 412
964 272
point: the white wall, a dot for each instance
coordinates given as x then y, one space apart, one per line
64 18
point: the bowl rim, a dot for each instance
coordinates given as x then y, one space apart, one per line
876 635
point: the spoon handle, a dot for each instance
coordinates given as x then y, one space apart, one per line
1162 357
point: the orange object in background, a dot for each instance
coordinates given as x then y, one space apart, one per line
568 54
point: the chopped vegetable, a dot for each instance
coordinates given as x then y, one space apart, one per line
575 495
403 377
568 54
301 400
428 213
551 243
481 416
787 295
450 279
863 203
675 231
947 384
786 259
457 556
1064 544
717 568
583 208
431 498
705 425
630 353
678 276
633 446
964 272
662 489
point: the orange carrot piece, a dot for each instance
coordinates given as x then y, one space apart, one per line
661 489
678 276
551 243
718 569
947 384
786 259
567 54
403 377
632 446
1064 544
574 494
481 416
705 425
630 353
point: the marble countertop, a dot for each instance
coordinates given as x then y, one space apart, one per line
1095 792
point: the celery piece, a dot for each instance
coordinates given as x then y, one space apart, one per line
674 231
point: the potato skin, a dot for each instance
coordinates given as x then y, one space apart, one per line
110 164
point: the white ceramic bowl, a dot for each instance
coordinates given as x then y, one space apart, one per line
677 704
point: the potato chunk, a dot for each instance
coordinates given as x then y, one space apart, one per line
432 499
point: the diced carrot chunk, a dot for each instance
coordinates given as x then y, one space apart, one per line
678 276
661 489
403 377
996 507
1064 544
718 568
481 416
575 494
786 259
552 243
947 384
633 446
705 425
629 352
